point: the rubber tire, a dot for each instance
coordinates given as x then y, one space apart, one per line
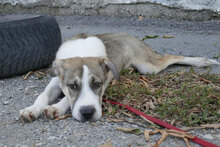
28 44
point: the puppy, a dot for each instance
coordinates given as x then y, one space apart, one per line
84 66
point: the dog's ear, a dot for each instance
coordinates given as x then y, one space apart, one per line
110 66
55 69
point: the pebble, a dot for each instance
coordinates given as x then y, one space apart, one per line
140 143
193 132
84 137
6 102
208 136
39 144
213 131
134 126
0 94
52 137
16 118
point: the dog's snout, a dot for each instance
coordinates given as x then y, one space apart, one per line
87 112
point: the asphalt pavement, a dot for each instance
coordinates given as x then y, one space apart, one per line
190 39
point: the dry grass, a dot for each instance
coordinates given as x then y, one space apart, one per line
180 98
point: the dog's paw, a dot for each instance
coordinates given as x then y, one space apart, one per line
29 114
52 112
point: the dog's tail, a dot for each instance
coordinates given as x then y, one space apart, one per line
192 61
163 62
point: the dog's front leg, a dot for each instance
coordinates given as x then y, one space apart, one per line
57 110
50 94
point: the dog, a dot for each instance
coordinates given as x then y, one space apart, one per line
84 66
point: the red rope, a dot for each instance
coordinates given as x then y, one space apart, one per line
164 124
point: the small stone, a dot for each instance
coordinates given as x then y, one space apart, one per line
140 143
16 118
0 94
212 131
39 144
52 137
208 136
134 126
6 102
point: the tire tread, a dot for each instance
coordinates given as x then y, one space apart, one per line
28 45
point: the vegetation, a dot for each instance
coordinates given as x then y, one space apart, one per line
180 97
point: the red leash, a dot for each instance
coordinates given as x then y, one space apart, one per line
164 124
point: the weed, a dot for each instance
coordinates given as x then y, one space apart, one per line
188 97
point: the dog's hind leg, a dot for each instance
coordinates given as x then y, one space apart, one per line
58 109
50 94
156 65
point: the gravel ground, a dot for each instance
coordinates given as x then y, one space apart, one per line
190 38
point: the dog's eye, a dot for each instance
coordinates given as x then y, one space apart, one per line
73 86
96 85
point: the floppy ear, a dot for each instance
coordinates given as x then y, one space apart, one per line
111 67
55 69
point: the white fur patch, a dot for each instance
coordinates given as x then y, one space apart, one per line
88 47
198 61
51 92
86 97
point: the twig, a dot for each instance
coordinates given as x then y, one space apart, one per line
146 135
163 137
38 73
205 80
214 126
187 142
27 75
64 117
147 120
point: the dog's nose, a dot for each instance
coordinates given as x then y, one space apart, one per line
87 112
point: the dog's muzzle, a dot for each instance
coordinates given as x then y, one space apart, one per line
87 112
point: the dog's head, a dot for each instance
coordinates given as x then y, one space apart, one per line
83 82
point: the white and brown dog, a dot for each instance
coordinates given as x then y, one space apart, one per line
85 65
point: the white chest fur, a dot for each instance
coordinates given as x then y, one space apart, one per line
88 47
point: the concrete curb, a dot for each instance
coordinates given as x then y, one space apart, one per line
99 7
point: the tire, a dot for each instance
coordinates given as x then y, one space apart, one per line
28 44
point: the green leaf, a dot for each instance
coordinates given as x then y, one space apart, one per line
215 56
129 130
150 37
